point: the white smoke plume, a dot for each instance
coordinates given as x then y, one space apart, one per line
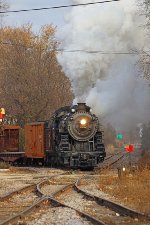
109 83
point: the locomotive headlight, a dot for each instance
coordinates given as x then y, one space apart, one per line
83 122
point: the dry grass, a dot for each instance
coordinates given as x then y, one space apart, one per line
145 160
110 149
132 189
4 165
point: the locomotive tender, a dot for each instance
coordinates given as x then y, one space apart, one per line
72 138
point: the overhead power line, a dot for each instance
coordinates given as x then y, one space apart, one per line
58 7
138 52
102 52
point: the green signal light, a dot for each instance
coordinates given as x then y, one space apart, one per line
119 136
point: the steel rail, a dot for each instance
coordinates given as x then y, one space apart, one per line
83 214
118 159
30 209
22 214
32 206
10 194
102 167
110 156
56 202
122 210
43 183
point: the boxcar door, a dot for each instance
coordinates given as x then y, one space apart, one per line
38 147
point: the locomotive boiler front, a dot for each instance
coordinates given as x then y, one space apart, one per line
82 126
77 137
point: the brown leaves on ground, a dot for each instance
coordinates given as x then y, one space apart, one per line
132 189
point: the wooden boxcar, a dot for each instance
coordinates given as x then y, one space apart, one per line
37 142
9 143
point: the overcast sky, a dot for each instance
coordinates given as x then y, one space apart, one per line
37 18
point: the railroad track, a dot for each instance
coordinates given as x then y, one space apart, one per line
113 160
98 210
62 194
20 202
119 209
52 193
58 194
16 202
47 204
112 155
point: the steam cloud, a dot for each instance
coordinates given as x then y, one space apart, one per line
109 83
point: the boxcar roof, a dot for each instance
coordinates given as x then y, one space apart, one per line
35 123
10 127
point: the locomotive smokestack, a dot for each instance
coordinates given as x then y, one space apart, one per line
83 107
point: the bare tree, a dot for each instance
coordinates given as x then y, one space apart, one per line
33 84
146 139
146 4
110 134
145 62
3 6
145 59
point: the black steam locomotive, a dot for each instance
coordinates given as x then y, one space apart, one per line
72 138
77 137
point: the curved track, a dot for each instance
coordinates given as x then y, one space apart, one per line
52 197
19 202
16 202
113 160
46 203
112 155
101 210
121 210
94 209
62 192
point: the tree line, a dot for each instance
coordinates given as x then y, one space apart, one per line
32 82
